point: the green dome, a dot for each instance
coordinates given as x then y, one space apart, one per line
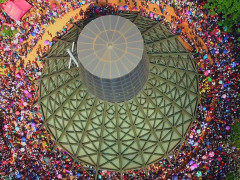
130 134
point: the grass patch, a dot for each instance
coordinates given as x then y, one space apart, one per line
8 32
2 1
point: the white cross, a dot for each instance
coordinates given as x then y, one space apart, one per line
71 57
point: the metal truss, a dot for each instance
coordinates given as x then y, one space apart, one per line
127 135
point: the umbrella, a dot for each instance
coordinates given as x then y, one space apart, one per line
226 37
191 141
26 91
34 34
191 162
224 96
59 176
211 154
194 166
225 85
199 174
204 125
19 176
219 159
151 15
46 42
228 128
206 73
29 95
54 6
233 64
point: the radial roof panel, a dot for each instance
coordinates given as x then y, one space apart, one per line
110 41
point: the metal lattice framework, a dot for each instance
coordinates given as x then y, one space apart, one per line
127 135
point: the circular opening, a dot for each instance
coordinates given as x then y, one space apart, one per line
110 45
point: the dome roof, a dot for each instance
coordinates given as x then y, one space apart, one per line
130 134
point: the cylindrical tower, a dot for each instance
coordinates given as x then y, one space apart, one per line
113 62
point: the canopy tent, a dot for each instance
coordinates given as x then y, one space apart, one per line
16 9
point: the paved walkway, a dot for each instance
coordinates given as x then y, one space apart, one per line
53 29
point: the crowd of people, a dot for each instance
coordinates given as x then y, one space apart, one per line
26 151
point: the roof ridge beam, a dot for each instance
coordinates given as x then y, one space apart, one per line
162 40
